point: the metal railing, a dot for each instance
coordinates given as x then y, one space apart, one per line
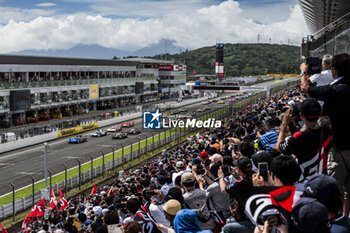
54 83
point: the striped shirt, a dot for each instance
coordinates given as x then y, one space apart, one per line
269 139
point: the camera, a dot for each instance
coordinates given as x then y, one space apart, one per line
273 216
296 111
200 170
315 65
263 167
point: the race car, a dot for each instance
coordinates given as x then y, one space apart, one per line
221 102
200 110
114 129
99 133
128 124
120 135
231 100
77 139
134 131
207 108
205 102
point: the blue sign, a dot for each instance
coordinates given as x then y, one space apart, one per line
151 120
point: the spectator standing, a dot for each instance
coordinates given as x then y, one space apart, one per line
310 146
336 97
217 200
195 199
269 139
325 77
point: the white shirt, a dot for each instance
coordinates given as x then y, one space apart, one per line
322 79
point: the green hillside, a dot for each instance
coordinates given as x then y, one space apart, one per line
243 59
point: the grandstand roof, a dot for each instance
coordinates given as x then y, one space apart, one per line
320 13
148 60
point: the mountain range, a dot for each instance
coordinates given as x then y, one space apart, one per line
100 52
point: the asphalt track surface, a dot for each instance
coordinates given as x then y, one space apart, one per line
18 166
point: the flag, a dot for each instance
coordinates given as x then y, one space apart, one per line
3 228
37 211
53 200
63 201
94 191
257 200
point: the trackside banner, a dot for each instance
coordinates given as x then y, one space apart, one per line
77 129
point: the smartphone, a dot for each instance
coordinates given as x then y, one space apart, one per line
263 167
235 147
114 229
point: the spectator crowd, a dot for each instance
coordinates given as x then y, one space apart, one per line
281 165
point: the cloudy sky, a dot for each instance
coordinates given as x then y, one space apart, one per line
133 24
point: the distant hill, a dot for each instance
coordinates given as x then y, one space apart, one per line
242 59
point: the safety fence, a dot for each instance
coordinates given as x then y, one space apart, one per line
109 159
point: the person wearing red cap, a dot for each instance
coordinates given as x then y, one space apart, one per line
203 155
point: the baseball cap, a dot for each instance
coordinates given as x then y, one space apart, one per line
174 193
320 186
196 161
161 179
310 108
172 207
180 164
203 155
187 177
309 215
244 164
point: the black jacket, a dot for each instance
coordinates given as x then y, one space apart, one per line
336 99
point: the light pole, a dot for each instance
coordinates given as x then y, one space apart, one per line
45 166
46 191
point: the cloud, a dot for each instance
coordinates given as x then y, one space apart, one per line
225 22
46 4
9 13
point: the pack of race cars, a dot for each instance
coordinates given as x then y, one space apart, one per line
116 130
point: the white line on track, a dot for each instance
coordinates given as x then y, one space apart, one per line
33 149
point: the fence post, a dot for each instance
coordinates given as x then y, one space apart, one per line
146 143
139 150
13 202
33 189
122 155
65 178
113 162
79 164
103 164
49 171
92 166
132 158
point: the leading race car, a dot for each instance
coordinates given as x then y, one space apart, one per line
134 131
128 124
114 129
99 133
120 135
77 139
